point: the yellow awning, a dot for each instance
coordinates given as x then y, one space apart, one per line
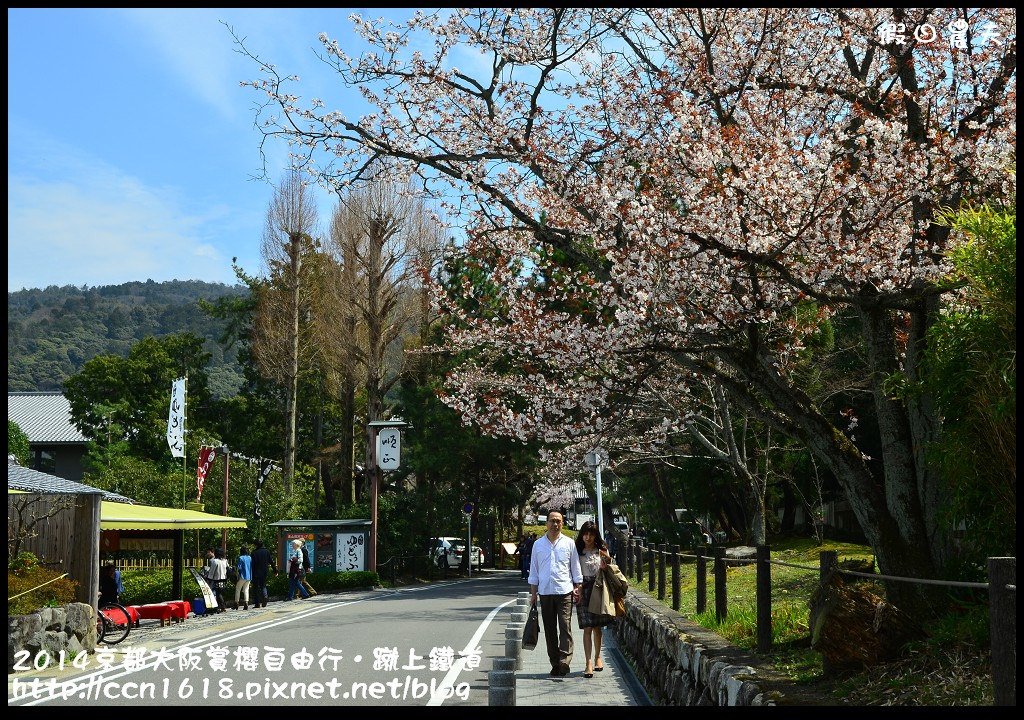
119 516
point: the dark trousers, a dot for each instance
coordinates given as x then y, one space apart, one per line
259 582
556 614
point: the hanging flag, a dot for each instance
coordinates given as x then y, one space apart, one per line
265 469
176 419
206 457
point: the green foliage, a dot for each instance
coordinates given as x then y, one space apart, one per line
134 392
970 368
453 463
51 333
22 563
141 480
326 582
144 587
17 443
24 574
964 623
740 625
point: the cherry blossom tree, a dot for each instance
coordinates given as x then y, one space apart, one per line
680 181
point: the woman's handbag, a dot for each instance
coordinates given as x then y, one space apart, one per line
531 633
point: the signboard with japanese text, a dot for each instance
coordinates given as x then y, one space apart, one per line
351 552
389 447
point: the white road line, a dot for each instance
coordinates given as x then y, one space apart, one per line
224 636
444 690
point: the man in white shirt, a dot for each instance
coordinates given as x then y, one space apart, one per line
556 576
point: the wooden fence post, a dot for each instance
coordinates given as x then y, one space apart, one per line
1002 612
827 562
661 570
650 568
674 549
764 599
702 581
639 561
721 600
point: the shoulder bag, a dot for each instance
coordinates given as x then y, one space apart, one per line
531 633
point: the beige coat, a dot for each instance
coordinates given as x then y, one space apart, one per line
609 584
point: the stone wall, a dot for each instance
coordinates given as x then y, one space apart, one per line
681 663
71 628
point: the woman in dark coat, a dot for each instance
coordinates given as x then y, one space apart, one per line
108 585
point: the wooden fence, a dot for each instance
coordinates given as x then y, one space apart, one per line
63 531
1002 589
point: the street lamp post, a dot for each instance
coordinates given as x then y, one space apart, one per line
595 459
376 431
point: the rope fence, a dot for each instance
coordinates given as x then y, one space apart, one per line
638 558
12 597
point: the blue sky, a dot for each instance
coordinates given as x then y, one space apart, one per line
131 147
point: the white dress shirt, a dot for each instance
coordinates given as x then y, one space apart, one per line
555 567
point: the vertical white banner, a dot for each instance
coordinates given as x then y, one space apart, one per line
176 419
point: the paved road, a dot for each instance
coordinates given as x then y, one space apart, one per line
428 645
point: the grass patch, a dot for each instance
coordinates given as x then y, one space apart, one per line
951 667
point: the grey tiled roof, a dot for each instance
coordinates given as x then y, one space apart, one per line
44 416
26 480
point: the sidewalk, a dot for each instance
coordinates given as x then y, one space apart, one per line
615 685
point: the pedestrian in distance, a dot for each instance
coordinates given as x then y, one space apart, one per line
108 585
555 577
217 577
295 571
594 557
243 566
262 565
525 546
307 568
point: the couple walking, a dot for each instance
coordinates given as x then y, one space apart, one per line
563 572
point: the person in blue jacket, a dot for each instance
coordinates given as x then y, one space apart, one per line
244 568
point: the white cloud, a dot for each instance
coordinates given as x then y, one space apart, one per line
198 49
93 224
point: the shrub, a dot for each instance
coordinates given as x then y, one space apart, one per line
24 574
143 587
278 585
22 563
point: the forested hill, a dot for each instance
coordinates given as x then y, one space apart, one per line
52 333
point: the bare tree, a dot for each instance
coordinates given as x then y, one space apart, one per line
28 514
380 235
290 250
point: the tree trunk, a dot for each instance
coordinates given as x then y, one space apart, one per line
292 390
346 441
887 508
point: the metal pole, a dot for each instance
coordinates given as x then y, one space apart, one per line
469 544
224 532
600 510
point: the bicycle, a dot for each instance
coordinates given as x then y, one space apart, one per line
113 623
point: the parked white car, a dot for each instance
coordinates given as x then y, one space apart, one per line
448 551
